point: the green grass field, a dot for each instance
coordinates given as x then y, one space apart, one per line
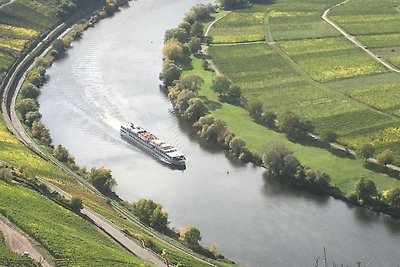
344 172
318 74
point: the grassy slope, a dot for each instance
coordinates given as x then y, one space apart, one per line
344 172
65 235
23 21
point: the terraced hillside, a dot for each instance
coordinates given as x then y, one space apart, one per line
307 66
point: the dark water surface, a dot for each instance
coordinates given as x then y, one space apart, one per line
111 77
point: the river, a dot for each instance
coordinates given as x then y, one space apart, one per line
110 77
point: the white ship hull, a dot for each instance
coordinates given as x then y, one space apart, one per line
132 136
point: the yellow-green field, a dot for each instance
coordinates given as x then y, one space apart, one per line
315 72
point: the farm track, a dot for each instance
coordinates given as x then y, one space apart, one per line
20 244
10 90
353 39
270 42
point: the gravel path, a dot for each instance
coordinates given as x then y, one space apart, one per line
17 242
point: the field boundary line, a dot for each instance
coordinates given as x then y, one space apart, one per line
215 21
353 39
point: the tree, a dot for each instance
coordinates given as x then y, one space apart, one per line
170 72
212 129
268 119
102 179
76 204
366 190
393 200
255 108
29 91
233 4
191 235
237 145
385 157
41 132
173 51
182 101
221 84
293 126
190 82
62 154
194 45
328 137
60 47
199 12
197 29
179 34
26 105
31 117
151 213
5 175
280 161
195 110
366 151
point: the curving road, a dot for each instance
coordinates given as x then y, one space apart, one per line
353 39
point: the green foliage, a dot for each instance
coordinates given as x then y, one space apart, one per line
170 72
366 151
179 34
328 137
76 204
294 127
199 12
393 200
190 82
173 51
40 132
191 235
366 191
31 117
5 175
385 157
26 105
280 161
102 179
255 108
62 154
29 90
151 213
221 84
212 129
69 238
233 4
196 109
194 45
197 30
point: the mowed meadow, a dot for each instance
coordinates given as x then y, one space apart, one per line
305 65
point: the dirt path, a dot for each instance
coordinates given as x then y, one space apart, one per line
17 242
353 39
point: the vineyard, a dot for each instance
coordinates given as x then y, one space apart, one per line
64 234
9 258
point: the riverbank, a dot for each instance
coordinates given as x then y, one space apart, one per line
100 103
155 245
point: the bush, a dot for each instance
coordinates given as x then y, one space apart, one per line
151 213
102 179
76 204
29 90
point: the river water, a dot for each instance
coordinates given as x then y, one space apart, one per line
110 78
